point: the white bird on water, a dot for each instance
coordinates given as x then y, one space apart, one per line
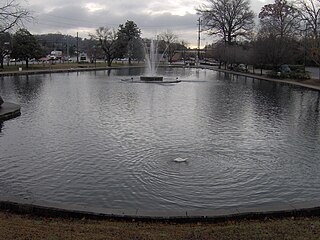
179 159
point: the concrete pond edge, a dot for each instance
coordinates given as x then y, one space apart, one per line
9 110
77 212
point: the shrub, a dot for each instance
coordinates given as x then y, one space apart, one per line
297 75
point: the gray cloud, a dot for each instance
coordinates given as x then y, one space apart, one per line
151 16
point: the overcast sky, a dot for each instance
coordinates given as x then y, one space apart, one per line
151 16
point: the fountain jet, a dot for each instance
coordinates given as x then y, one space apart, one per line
152 60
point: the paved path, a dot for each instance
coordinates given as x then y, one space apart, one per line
264 78
314 72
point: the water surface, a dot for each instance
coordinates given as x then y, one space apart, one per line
91 139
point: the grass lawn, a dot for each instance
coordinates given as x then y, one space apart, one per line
14 226
46 66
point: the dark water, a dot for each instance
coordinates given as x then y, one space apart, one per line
92 139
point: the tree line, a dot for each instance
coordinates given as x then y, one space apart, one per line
286 32
105 43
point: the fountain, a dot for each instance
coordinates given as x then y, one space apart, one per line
152 60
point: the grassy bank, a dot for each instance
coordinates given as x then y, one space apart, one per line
48 66
26 227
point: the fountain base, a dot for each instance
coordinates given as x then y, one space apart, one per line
146 79
151 78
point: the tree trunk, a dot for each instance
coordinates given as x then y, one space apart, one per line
27 63
1 62
229 39
109 61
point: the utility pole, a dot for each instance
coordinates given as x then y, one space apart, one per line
77 47
68 54
199 41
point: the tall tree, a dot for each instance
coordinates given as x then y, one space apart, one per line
228 19
280 18
129 37
310 14
25 46
108 42
277 37
11 14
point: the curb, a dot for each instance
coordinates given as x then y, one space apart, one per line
55 212
9 111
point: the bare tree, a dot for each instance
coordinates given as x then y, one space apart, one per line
280 19
171 43
228 19
11 14
280 26
107 39
310 13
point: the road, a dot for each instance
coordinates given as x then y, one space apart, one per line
314 72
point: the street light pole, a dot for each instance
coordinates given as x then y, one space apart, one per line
305 45
199 41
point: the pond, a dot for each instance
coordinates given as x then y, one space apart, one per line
209 142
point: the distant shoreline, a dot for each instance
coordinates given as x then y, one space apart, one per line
311 84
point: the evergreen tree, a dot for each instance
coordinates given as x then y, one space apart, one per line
129 38
25 46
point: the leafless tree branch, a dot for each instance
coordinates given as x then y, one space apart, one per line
11 14
227 18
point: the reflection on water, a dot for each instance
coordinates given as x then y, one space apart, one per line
91 139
